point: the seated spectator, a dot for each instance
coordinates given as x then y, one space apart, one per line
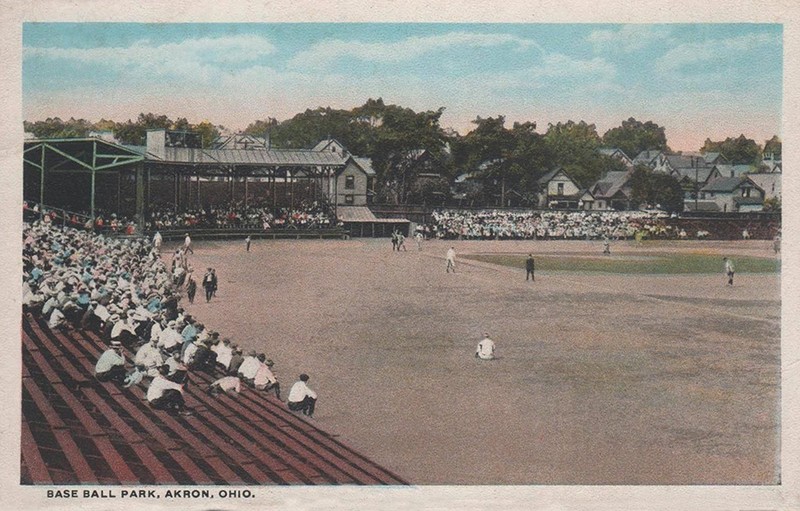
249 367
178 371
163 394
264 378
224 353
302 398
149 357
236 361
227 385
111 364
204 359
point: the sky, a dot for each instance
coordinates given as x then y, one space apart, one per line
697 80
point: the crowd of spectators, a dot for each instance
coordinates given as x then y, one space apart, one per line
121 288
103 222
516 225
311 214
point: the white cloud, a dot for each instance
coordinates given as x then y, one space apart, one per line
195 58
713 50
628 38
324 52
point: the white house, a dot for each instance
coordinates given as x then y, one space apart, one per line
734 194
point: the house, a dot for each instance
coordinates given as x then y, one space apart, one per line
734 194
331 145
693 179
647 157
612 191
558 190
710 158
354 184
618 154
669 163
770 182
241 141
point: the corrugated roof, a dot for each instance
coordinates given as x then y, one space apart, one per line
284 157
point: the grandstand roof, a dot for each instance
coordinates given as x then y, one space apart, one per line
278 157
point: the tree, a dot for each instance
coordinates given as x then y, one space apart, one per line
261 128
739 151
208 132
56 128
656 189
633 137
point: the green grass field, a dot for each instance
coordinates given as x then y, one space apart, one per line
627 262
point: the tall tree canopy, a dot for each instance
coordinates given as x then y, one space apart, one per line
739 151
573 145
56 128
633 137
656 189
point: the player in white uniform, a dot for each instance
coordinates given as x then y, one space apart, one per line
485 349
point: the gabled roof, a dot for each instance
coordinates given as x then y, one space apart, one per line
326 144
240 141
728 184
550 175
364 164
734 170
610 184
612 151
646 157
701 174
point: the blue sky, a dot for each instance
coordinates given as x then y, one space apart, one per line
699 80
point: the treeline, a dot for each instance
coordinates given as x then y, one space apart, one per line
403 144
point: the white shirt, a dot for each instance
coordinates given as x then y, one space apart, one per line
159 385
451 255
299 392
224 354
229 383
157 239
729 266
264 376
486 349
56 318
119 326
249 367
148 356
169 338
188 355
187 241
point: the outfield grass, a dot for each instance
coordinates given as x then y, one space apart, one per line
622 262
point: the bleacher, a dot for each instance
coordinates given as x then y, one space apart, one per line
230 233
77 430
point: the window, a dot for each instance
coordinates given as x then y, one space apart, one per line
348 199
560 188
349 182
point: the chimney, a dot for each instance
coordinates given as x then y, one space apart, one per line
156 142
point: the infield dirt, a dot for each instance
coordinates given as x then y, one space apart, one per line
600 378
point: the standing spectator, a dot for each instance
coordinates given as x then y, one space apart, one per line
208 284
606 247
485 349
418 238
729 270
302 398
776 244
191 288
451 260
247 241
214 282
530 267
111 364
157 242
187 244
401 242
